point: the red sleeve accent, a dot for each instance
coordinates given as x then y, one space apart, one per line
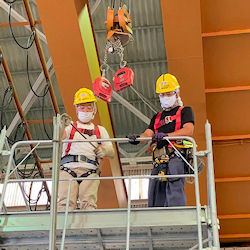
72 133
178 119
97 133
157 122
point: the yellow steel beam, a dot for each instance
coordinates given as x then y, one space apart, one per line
103 109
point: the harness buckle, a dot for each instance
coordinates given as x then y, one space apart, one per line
167 119
161 159
163 178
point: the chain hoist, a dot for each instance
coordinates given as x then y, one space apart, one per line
119 34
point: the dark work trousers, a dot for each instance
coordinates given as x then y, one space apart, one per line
168 193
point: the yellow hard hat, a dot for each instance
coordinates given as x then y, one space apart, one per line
84 95
166 83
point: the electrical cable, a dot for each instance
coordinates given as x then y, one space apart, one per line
11 31
23 173
28 76
30 42
21 124
4 106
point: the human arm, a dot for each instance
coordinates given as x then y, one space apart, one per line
105 149
145 134
65 120
149 132
187 130
64 136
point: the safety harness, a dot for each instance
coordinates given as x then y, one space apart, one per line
67 158
177 117
89 132
160 161
73 173
159 123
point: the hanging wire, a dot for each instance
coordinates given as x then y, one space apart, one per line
20 125
32 35
3 105
30 42
28 76
23 173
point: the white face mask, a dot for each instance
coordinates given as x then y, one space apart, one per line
167 102
85 117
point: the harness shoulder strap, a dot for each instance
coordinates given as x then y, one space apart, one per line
97 133
157 121
178 119
71 136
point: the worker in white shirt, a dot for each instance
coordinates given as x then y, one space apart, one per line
82 159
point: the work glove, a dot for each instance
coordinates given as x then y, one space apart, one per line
158 137
100 153
65 119
132 139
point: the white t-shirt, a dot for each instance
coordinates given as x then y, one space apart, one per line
84 148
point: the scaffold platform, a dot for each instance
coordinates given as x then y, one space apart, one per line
121 228
150 228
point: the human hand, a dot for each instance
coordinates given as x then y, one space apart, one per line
132 139
158 137
100 153
65 119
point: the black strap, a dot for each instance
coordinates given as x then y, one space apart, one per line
75 158
73 173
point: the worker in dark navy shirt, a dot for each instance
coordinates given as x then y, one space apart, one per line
174 120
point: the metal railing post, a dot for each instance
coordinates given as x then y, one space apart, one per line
128 214
197 197
66 215
211 186
55 176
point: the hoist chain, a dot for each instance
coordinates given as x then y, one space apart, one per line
114 48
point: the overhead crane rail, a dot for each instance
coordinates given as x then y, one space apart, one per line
153 228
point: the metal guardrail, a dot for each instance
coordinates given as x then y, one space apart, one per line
57 144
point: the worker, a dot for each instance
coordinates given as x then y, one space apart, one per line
174 120
82 159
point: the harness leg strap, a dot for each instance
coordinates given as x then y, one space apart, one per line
73 173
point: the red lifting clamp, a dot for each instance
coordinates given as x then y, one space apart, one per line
102 89
123 78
